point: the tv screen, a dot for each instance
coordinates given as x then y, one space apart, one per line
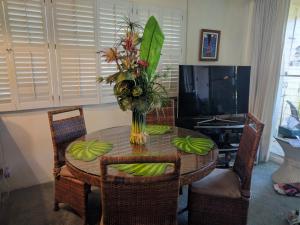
213 90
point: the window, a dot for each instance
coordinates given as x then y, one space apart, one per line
5 88
48 49
289 83
111 16
28 46
172 53
171 22
289 86
76 58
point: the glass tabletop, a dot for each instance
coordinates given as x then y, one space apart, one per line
156 144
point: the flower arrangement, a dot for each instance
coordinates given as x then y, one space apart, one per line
136 82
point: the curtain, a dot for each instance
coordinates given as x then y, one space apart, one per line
268 31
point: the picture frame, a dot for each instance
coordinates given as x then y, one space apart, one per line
209 45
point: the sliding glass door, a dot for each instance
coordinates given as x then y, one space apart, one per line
288 96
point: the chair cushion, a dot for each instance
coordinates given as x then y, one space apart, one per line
220 183
65 172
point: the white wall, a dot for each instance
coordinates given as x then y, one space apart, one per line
232 17
25 136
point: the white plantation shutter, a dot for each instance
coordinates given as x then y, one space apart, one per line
32 77
26 20
172 53
75 23
3 43
29 47
143 12
78 77
76 48
6 102
48 49
111 18
5 95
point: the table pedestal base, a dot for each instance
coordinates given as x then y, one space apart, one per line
289 171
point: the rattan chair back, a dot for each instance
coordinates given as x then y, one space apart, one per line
164 115
246 153
133 200
64 131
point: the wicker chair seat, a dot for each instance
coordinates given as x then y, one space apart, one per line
220 183
65 172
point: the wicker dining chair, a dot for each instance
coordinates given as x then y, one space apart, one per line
222 198
67 189
164 115
134 200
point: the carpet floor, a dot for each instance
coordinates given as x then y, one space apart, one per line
33 206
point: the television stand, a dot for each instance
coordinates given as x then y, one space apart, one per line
225 131
216 119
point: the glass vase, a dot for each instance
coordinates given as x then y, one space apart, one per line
138 125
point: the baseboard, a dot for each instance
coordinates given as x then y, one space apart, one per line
276 158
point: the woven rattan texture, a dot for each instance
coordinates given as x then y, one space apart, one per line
211 210
140 200
67 190
163 116
64 131
73 192
68 129
207 209
247 152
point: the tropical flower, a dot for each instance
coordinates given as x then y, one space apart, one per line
134 87
137 87
110 54
143 63
136 38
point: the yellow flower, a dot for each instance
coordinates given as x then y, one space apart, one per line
135 38
111 54
127 63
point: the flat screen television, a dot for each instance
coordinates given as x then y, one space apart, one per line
213 90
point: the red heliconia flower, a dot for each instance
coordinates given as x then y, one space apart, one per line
143 63
128 43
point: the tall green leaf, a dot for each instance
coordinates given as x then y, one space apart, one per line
153 40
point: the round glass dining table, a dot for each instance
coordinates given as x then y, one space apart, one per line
193 166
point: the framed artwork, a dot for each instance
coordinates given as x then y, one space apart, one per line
209 45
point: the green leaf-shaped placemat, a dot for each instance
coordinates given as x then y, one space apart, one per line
157 129
200 146
89 150
143 169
